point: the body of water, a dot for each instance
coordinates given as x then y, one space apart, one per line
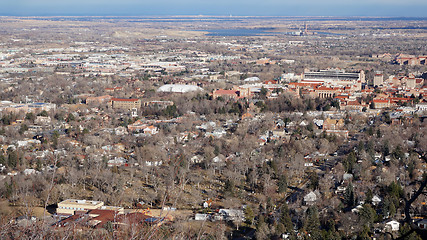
240 32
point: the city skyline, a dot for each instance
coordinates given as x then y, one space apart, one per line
412 8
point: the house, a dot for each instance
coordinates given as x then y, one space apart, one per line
136 126
356 209
422 224
218 159
153 163
196 159
201 217
376 200
120 131
217 133
340 133
28 142
207 203
41 120
232 215
117 161
265 61
310 198
29 171
113 89
151 130
187 136
347 176
318 122
303 123
392 225
247 116
421 106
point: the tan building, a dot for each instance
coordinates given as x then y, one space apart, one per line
378 79
381 103
158 104
127 104
410 83
69 206
325 92
333 124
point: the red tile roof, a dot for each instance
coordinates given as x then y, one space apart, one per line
381 100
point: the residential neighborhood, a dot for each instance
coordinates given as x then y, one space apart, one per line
128 128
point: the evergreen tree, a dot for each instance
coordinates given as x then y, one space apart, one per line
314 180
282 183
349 162
43 113
405 229
364 234
229 187
331 233
249 215
386 148
379 133
2 160
312 223
398 153
285 218
70 117
368 215
262 231
263 93
12 159
30 117
8 189
22 129
38 164
55 136
369 196
370 131
349 197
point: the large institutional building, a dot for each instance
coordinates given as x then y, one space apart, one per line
127 104
333 77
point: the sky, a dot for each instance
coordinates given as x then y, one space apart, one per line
392 8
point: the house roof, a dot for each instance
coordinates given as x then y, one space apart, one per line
310 197
376 199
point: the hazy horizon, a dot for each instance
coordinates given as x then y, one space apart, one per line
332 8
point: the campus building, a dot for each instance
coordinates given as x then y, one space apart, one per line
127 104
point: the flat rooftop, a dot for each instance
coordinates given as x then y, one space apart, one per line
82 203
